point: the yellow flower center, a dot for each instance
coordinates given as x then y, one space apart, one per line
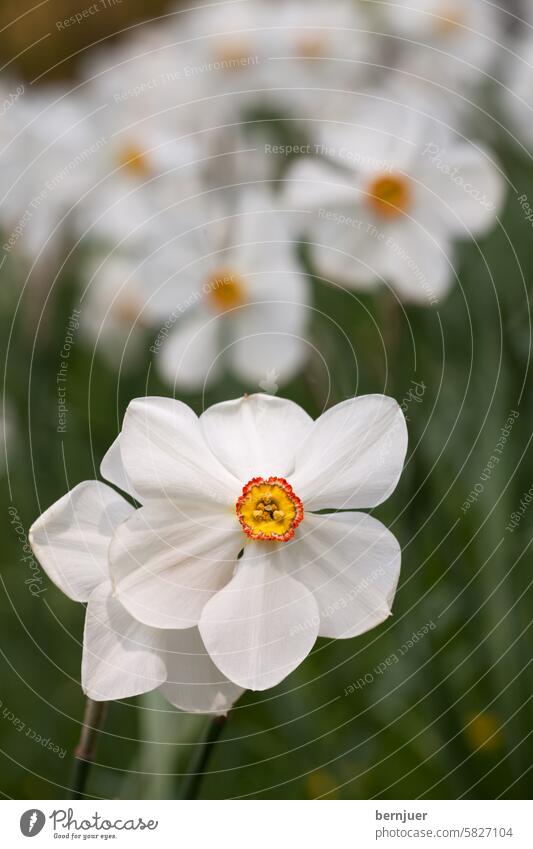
389 195
134 161
128 309
225 290
483 731
269 509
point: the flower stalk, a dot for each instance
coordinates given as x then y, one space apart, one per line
85 751
203 754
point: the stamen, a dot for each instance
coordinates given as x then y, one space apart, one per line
269 509
390 195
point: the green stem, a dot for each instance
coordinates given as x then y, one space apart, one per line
202 757
85 752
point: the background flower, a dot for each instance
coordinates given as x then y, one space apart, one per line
386 205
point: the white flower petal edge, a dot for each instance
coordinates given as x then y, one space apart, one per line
112 469
351 564
165 455
256 435
353 455
71 538
263 624
121 657
167 563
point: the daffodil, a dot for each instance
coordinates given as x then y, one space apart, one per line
389 196
238 297
232 537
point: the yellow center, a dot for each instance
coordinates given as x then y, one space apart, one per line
389 195
225 290
483 731
311 45
269 509
134 160
127 309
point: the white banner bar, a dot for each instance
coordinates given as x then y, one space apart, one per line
269 824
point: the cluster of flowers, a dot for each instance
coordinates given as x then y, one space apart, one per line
193 156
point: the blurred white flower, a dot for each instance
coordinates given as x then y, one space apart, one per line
140 176
238 297
113 305
453 44
121 657
390 195
250 476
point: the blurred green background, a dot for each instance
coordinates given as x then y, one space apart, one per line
451 716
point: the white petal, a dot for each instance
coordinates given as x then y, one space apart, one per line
121 657
165 454
71 539
194 684
166 565
471 187
342 249
189 358
262 624
351 564
353 455
256 435
313 183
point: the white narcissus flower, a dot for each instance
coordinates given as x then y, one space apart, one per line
43 166
391 194
238 296
230 537
121 657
